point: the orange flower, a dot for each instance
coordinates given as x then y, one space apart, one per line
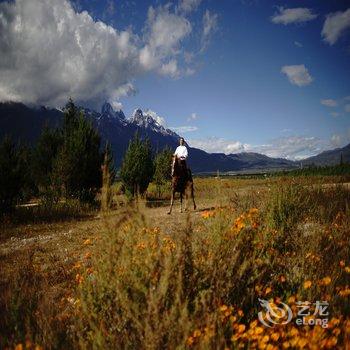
307 284
87 241
208 214
326 281
241 328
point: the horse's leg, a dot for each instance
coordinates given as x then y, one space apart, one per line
186 199
181 193
171 201
192 195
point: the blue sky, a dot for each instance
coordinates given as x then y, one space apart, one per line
229 75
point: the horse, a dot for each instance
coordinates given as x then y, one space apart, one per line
182 182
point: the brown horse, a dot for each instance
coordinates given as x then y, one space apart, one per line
182 182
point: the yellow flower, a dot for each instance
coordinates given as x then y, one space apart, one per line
347 269
241 328
326 281
19 347
190 341
197 333
302 342
208 214
87 241
275 336
259 330
268 290
307 284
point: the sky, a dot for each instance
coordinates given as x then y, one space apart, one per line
229 76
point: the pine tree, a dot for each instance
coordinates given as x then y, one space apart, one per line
13 173
44 154
77 167
137 166
162 171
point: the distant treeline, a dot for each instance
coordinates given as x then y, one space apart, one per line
340 169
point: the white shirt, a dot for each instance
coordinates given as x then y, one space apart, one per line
181 152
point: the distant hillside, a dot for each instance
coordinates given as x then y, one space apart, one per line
26 123
331 157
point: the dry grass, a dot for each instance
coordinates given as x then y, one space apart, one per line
137 278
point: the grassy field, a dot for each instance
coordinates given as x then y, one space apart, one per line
137 278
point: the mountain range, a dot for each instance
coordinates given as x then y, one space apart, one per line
25 122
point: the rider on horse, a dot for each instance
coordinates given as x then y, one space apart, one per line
181 153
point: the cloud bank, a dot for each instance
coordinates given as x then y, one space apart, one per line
49 52
289 147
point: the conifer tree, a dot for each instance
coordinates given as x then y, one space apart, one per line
137 166
162 168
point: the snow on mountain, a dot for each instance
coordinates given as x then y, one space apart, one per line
107 111
150 120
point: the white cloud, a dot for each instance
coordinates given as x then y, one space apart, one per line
297 74
297 43
49 52
289 147
170 69
210 24
335 114
294 15
184 129
193 116
164 33
335 25
117 106
336 140
329 102
347 108
219 145
188 6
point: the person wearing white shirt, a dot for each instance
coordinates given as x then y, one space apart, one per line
181 152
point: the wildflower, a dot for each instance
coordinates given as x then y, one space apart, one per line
87 241
197 333
268 290
77 266
241 328
79 278
347 269
190 341
259 330
275 336
208 214
253 211
326 281
341 263
307 284
302 342
19 347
